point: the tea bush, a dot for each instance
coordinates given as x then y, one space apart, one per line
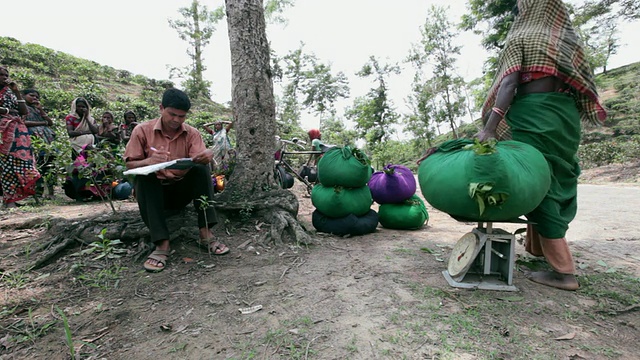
616 150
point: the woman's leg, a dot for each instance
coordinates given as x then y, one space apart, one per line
558 256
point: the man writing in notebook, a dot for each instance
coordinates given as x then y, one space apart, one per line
163 139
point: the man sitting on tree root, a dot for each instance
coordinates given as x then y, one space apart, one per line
164 139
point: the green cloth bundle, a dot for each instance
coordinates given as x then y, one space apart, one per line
344 166
338 201
407 215
484 181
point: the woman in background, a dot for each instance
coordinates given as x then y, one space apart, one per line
39 125
222 150
107 130
81 127
130 122
18 173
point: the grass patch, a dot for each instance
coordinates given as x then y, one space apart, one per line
611 288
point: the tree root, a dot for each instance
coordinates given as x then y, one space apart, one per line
285 227
279 208
62 244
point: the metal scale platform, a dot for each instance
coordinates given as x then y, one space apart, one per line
483 259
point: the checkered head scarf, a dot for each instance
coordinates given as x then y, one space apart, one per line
542 39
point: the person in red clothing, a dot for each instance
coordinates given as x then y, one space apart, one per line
315 138
18 173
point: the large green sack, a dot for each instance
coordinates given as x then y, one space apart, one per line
484 181
344 166
338 201
407 215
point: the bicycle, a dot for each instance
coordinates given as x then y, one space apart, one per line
282 167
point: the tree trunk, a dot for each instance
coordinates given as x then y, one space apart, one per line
197 57
251 186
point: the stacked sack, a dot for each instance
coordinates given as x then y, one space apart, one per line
394 188
342 198
484 181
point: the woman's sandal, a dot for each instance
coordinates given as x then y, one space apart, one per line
161 256
214 247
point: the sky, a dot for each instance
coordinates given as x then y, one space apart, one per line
134 35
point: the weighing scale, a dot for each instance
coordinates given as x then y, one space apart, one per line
483 259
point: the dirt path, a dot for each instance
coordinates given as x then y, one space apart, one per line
380 296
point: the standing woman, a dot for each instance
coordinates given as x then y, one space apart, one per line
81 127
222 154
543 89
18 173
39 125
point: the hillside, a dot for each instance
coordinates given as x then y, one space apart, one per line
61 77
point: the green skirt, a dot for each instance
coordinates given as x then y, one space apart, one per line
550 122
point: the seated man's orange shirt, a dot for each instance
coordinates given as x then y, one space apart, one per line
187 143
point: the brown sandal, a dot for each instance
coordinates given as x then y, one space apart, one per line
214 247
161 256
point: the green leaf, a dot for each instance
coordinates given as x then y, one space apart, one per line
480 204
427 250
601 263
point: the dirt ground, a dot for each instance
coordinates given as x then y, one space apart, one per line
378 296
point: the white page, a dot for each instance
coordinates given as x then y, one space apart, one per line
179 164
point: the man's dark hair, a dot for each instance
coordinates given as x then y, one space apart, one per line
176 99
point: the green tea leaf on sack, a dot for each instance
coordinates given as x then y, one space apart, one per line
601 263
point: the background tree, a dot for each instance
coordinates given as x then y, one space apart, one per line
273 10
334 132
196 27
495 15
251 187
436 51
601 40
288 105
624 9
321 89
420 123
374 114
308 85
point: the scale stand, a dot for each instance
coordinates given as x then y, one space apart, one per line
483 259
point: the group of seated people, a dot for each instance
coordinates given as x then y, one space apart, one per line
25 171
84 130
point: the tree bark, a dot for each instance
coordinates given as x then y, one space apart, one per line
250 187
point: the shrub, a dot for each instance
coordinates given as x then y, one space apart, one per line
617 150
